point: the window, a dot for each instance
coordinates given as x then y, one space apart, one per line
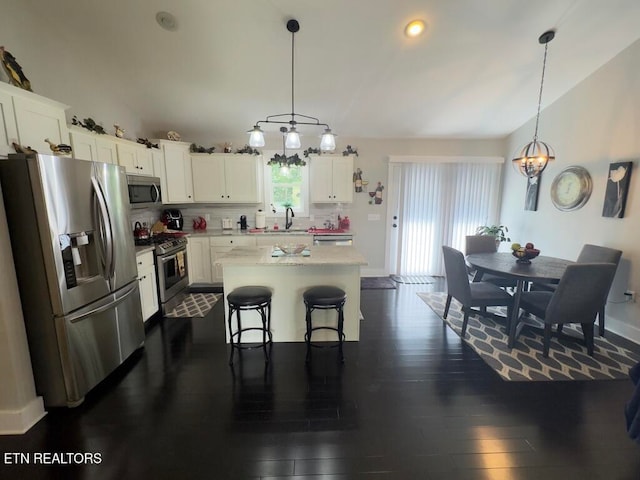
287 188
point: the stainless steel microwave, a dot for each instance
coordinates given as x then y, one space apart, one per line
144 191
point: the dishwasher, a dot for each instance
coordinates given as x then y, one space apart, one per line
335 239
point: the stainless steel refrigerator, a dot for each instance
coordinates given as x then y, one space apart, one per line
75 261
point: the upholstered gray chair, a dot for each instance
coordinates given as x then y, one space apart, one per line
486 244
590 254
577 298
475 294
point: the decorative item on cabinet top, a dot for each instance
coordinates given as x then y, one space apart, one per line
174 136
147 143
89 124
193 148
14 70
119 131
21 149
60 148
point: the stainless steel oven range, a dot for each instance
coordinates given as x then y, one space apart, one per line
172 268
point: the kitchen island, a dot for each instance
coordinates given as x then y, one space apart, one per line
289 276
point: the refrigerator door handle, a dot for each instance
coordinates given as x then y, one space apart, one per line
105 229
108 304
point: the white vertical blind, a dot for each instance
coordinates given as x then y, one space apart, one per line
441 204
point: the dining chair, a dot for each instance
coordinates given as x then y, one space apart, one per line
577 298
590 254
475 294
486 244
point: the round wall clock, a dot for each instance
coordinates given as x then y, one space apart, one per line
571 188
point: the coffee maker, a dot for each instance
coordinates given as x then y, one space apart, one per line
243 222
173 219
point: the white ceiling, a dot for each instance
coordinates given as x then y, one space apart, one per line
474 73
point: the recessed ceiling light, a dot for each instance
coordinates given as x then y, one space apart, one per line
414 28
167 21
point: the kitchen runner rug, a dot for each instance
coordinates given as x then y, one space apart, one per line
194 305
376 283
568 358
412 279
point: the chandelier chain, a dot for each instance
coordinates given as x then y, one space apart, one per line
544 65
293 39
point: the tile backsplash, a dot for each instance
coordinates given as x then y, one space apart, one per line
318 215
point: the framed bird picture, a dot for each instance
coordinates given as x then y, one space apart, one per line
14 70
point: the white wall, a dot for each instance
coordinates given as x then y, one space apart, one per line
372 159
596 123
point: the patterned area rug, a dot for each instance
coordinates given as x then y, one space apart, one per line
568 358
412 279
194 305
376 283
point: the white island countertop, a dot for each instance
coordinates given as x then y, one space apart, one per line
319 255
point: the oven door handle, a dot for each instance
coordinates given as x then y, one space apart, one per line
167 259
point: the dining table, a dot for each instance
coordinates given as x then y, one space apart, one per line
541 269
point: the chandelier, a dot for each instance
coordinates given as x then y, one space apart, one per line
533 158
292 137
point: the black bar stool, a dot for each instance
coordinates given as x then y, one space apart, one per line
250 298
324 297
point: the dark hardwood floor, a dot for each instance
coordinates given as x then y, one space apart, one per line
412 401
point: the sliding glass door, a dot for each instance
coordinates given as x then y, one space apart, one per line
437 203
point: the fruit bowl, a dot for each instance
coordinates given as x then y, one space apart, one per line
291 248
525 255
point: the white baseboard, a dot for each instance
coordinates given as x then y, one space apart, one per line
373 272
17 422
622 329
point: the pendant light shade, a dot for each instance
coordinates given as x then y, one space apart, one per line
534 157
328 141
256 137
292 137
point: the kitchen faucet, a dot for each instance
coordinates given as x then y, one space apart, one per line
288 221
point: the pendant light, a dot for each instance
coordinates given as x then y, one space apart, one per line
533 158
292 136
282 160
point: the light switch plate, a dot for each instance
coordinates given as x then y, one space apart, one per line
373 217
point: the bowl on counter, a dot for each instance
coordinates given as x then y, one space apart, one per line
291 248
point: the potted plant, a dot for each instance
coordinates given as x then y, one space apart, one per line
498 231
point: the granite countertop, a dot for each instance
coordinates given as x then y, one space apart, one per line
218 232
319 255
140 249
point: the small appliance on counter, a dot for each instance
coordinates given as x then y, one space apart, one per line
173 219
261 219
141 234
227 224
243 222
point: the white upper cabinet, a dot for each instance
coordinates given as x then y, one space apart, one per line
29 119
226 178
92 146
331 178
177 182
134 157
8 129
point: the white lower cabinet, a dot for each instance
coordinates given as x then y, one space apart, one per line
199 255
222 245
148 284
